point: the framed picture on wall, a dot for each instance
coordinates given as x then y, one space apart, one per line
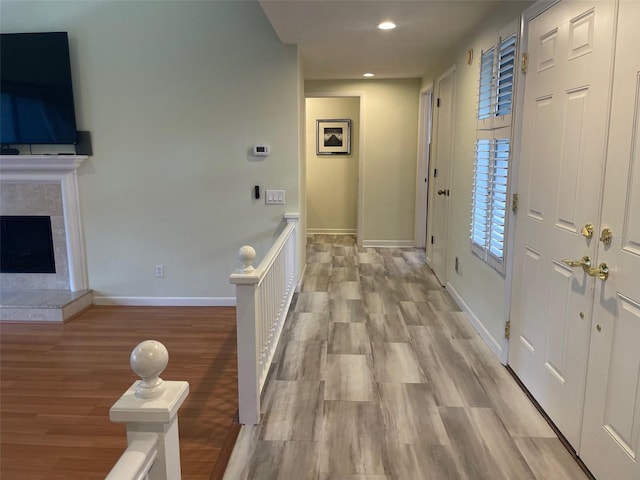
333 137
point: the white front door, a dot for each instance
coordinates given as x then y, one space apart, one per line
439 186
611 432
562 152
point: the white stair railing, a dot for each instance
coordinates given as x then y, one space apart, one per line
150 410
263 297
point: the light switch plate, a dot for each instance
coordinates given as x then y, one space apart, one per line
274 197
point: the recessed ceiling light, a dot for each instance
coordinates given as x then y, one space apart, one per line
387 26
368 74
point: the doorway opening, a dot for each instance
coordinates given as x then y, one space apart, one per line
334 186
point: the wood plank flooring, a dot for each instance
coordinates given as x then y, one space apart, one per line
379 376
57 383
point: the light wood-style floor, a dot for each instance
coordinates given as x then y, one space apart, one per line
57 383
379 376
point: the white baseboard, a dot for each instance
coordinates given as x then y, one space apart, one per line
331 231
389 243
166 301
495 346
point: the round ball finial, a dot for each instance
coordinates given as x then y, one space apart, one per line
246 254
148 360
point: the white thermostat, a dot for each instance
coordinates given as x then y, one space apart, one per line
261 150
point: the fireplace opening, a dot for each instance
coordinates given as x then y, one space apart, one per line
26 244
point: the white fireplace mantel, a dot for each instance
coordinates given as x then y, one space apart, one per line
40 163
59 169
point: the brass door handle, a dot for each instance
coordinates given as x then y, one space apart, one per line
442 192
584 262
602 272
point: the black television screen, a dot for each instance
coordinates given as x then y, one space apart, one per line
36 92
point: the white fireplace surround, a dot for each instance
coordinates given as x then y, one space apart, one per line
60 170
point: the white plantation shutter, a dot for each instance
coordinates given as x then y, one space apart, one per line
489 201
499 177
505 75
485 97
481 194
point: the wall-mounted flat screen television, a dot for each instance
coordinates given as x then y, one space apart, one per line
36 91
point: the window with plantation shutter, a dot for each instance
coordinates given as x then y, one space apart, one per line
492 153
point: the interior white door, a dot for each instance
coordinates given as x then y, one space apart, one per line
441 174
611 431
562 151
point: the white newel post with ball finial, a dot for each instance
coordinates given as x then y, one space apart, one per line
150 410
247 310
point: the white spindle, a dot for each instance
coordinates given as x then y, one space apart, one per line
150 410
263 296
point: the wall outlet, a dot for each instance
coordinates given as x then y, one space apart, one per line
159 271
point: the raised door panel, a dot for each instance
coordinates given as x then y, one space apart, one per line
571 167
622 408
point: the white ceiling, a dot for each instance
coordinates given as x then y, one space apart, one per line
339 39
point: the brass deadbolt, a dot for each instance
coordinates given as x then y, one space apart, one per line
606 236
587 230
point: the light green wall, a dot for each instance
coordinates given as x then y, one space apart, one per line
332 180
175 93
483 290
302 173
389 152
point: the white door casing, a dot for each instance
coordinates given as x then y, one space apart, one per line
610 444
439 186
561 154
422 167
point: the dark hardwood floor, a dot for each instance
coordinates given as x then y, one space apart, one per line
57 383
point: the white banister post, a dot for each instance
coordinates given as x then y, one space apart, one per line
150 406
294 218
248 351
246 281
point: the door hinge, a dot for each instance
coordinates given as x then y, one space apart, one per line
438 103
514 203
525 62
507 329
435 172
431 239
